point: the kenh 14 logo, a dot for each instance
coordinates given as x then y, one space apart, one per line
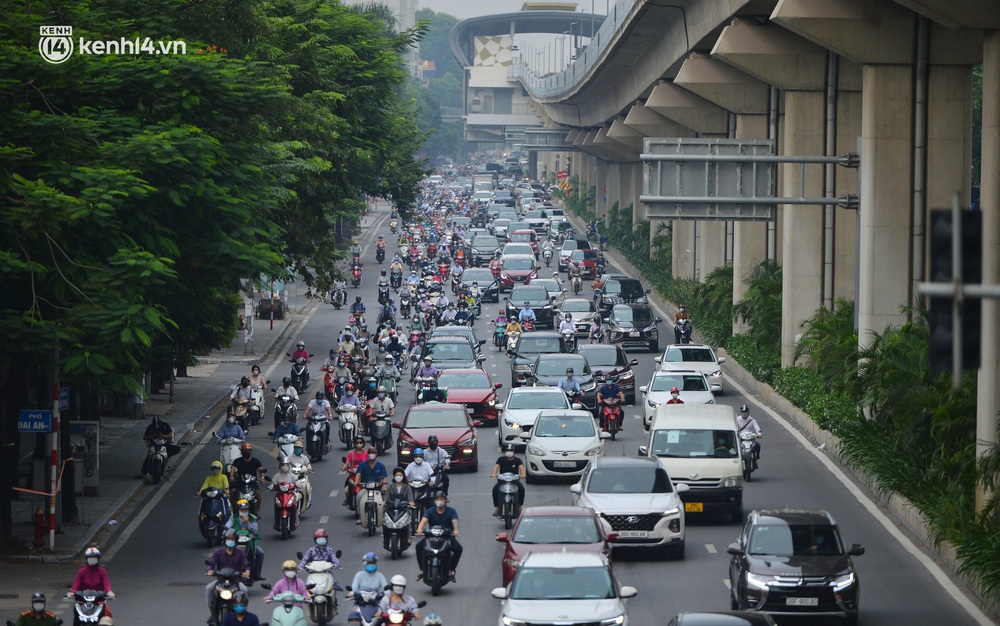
55 43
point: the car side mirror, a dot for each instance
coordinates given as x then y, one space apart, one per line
628 592
658 360
270 434
421 604
288 354
634 362
575 488
649 291
397 425
716 388
497 385
605 435
481 358
576 406
499 405
722 360
482 342
643 389
311 355
525 436
734 549
682 487
343 459
659 319
502 537
499 593
643 450
856 549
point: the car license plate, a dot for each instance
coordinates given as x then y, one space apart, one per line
694 507
802 601
570 464
633 533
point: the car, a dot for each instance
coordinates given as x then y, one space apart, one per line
583 311
561 444
489 286
635 496
483 248
558 226
508 214
549 369
634 325
525 236
504 197
538 299
794 563
457 330
568 247
556 214
483 197
552 285
449 353
722 618
519 412
271 304
462 221
517 249
587 259
552 529
453 427
528 347
520 269
474 389
500 225
618 289
565 588
539 220
693 387
613 363
694 357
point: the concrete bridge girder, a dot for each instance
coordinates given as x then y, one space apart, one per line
723 85
690 110
957 14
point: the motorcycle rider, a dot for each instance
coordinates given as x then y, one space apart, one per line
245 520
321 551
158 429
388 369
567 324
289 582
215 479
287 427
355 249
230 429
226 557
547 246
413 280
438 456
418 470
256 378
382 402
746 423
396 600
354 459
358 308
382 280
509 464
441 302
94 577
575 272
350 398
37 616
242 390
369 578
299 457
371 471
449 314
287 388
681 314
300 351
675 396
462 316
319 406
446 517
248 464
399 488
570 385
609 390
432 394
526 313
427 370
597 330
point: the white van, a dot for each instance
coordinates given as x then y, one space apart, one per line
698 446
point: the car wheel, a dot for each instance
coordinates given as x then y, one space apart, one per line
851 619
654 347
734 604
529 478
677 552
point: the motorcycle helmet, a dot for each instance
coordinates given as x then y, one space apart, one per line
244 381
433 439
398 579
246 447
286 381
745 408
383 272
243 503
674 390
320 532
370 557
93 551
418 452
527 304
349 388
358 440
381 389
433 619
301 344
388 358
320 395
289 565
216 465
241 598
357 299
391 301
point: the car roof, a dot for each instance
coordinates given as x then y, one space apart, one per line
449 339
723 618
541 334
794 516
549 510
634 306
597 347
435 406
520 390
522 231
624 461
564 559
563 413
466 370
560 356
520 257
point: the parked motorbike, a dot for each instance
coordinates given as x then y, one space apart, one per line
437 558
348 418
212 515
89 607
230 451
318 436
381 432
286 509
396 526
682 331
300 373
158 456
508 498
371 514
747 453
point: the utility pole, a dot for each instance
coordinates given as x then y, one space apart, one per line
54 463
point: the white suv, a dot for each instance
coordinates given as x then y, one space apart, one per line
562 443
693 387
518 413
693 357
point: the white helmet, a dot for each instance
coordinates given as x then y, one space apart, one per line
398 579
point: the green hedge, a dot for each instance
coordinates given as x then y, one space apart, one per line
806 389
762 364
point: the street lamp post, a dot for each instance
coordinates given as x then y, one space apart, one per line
576 40
538 61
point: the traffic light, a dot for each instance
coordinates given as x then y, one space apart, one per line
941 312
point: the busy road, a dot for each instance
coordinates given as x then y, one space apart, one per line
158 566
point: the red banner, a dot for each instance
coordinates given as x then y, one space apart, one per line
560 175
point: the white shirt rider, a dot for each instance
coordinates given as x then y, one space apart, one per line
567 324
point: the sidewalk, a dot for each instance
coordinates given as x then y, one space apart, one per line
198 399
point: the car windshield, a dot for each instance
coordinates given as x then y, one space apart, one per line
557 367
624 288
452 351
538 345
552 400
552 426
486 242
531 215
639 316
501 222
518 248
570 244
577 255
549 284
437 418
683 382
521 237
690 355
562 583
483 277
556 529
689 443
449 380
519 264
795 540
577 306
520 226
603 357
629 480
520 294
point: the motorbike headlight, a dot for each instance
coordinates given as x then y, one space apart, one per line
491 403
535 451
733 481
226 594
593 451
843 582
613 621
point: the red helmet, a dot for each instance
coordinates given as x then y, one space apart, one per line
349 387
320 532
674 390
246 446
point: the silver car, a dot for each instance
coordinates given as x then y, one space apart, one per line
583 311
693 357
692 385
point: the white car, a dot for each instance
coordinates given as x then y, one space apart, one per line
566 588
553 286
693 387
562 443
635 496
518 250
699 358
519 412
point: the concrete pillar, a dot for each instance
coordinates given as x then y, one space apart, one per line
614 184
988 388
749 238
803 225
684 249
600 201
711 248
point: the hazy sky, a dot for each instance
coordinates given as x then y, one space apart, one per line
471 8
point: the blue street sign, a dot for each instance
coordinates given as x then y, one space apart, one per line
32 421
64 398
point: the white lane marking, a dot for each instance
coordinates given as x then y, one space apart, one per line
939 575
725 581
324 519
333 494
711 548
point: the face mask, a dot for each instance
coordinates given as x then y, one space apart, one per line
359 445
244 513
381 395
439 503
297 450
370 568
372 457
509 454
285 468
675 395
289 574
91 561
418 460
240 608
398 479
231 420
398 589
38 606
230 544
246 455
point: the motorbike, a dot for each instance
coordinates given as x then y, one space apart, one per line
158 456
323 587
230 451
682 331
338 298
396 526
395 280
286 509
746 444
89 607
611 416
500 335
227 583
547 255
285 407
286 444
570 337
392 226
383 293
390 386
416 336
399 617
508 498
318 436
300 373
405 304
348 418
380 254
247 487
301 480
512 338
247 541
239 407
421 382
256 409
288 612
577 284
597 336
381 432
423 497
371 516
437 558
356 277
212 515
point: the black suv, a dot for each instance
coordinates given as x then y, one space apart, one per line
794 563
634 325
538 299
612 362
620 289
528 348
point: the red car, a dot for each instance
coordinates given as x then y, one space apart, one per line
553 529
586 258
474 389
525 236
453 427
517 270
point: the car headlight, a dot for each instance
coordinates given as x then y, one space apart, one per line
593 451
672 512
512 424
491 403
716 373
522 368
535 451
652 404
507 621
759 581
613 621
843 582
468 443
733 481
